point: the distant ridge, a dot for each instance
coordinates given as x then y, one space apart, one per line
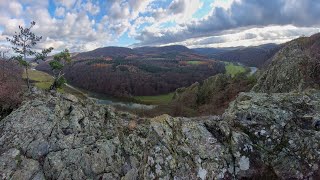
111 51
255 56
164 49
168 52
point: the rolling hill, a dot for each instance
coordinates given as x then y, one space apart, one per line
175 52
106 52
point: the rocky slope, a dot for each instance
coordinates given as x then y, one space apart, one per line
213 95
295 67
267 136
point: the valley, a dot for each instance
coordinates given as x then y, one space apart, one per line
146 105
140 75
43 81
126 73
149 81
147 75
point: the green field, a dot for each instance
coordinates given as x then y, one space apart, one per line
43 81
40 79
233 69
195 62
155 100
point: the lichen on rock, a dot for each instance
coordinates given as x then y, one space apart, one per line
260 135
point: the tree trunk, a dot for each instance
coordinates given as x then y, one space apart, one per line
27 73
28 82
54 85
2 65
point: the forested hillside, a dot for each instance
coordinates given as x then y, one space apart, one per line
209 97
123 78
175 52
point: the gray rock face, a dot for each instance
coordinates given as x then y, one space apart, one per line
295 67
260 135
280 132
284 74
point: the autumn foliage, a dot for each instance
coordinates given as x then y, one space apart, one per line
11 84
125 78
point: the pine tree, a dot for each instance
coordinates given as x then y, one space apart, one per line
23 43
57 65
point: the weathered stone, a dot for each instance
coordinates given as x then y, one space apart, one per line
71 98
270 134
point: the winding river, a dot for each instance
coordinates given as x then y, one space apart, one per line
253 70
107 100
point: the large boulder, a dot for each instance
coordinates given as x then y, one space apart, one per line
278 132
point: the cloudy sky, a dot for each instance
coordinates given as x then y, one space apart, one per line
81 25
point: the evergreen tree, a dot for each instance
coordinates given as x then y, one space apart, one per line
23 43
57 65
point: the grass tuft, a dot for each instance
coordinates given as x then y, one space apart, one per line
155 100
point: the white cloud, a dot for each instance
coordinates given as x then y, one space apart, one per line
91 8
15 8
183 10
180 11
56 44
11 26
75 30
138 7
34 3
123 16
240 14
60 12
78 25
225 4
251 37
66 3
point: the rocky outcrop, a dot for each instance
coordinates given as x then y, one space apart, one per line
260 136
54 137
282 133
295 67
